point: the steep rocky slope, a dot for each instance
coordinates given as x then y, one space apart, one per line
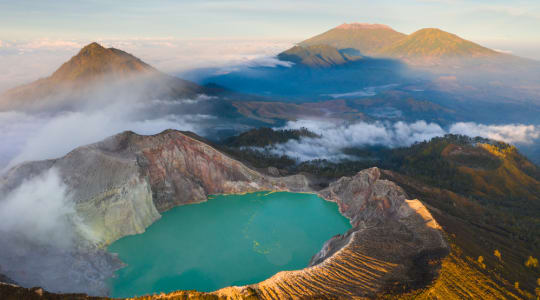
119 187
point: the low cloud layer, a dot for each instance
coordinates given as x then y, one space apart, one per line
35 137
25 61
95 115
336 137
510 133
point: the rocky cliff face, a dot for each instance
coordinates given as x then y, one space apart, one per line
121 185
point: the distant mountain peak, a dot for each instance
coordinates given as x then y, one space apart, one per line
95 61
93 67
92 47
364 37
434 43
356 25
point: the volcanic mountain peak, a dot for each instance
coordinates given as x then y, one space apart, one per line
366 38
93 47
435 43
94 61
88 72
356 25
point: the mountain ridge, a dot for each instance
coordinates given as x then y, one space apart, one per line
435 43
382 41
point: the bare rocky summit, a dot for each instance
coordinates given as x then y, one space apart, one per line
122 184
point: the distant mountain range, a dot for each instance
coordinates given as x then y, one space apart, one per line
356 62
92 69
435 43
426 45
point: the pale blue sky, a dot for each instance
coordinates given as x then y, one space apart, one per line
475 19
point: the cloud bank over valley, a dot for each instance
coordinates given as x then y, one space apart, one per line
338 136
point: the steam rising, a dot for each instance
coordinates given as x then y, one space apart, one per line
41 233
39 210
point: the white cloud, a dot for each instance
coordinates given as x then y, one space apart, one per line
98 114
337 136
35 138
25 61
49 44
510 133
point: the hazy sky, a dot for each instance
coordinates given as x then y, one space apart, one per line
37 36
477 19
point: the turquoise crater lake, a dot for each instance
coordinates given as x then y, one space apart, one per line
229 240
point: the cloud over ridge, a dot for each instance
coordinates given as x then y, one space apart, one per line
337 136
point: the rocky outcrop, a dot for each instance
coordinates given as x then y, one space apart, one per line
122 184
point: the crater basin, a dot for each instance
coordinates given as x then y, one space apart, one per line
228 240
